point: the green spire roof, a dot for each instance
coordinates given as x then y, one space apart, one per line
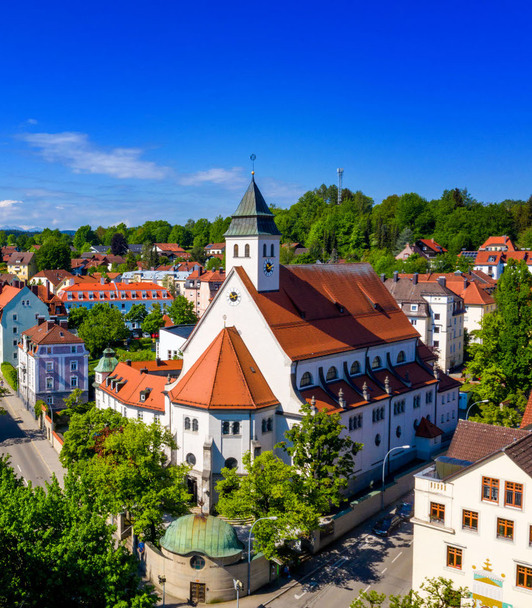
108 362
205 534
252 216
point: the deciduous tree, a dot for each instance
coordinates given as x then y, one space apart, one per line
181 311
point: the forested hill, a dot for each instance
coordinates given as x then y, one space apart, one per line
355 229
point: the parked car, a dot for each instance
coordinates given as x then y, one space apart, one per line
404 510
385 525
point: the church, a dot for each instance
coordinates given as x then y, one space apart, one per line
277 336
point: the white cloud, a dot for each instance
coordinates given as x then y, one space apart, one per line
76 151
230 178
31 121
9 203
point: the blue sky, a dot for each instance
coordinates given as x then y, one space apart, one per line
128 111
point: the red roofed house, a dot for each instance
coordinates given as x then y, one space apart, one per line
201 286
50 278
498 243
52 363
426 248
274 337
172 251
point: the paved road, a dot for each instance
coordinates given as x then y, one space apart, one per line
31 455
362 562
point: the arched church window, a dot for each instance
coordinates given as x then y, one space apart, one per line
272 251
264 254
332 374
187 424
195 425
401 356
226 427
236 428
355 368
235 251
306 379
246 251
376 363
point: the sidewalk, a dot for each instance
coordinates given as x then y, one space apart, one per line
30 427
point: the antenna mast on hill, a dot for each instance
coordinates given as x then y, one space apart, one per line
340 175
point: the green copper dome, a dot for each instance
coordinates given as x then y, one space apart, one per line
207 535
108 362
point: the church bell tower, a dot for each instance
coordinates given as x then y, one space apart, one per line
252 240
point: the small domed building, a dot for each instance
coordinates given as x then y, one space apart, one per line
200 557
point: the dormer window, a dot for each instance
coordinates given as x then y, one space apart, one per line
332 374
355 368
80 295
102 295
376 363
123 295
401 357
306 379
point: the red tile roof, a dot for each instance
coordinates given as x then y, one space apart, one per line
171 365
225 376
431 244
475 440
132 384
489 258
527 416
53 276
50 333
427 429
498 241
107 289
8 293
323 309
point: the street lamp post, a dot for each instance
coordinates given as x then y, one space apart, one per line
399 447
162 581
476 403
238 587
272 518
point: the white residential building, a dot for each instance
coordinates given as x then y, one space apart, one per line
473 516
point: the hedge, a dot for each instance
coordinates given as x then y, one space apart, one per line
10 374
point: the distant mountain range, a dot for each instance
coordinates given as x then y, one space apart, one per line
36 229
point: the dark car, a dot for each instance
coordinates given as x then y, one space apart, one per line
385 525
404 510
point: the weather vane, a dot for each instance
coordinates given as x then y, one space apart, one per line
252 158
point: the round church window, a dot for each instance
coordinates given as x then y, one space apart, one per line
197 562
191 459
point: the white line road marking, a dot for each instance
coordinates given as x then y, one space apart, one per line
397 557
342 559
18 467
383 571
24 479
366 589
298 597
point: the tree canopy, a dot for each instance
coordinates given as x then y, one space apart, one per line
53 254
102 326
181 311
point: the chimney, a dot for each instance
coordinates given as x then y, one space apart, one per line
158 361
40 319
102 280
128 362
414 278
383 277
144 370
395 276
442 281
466 283
63 323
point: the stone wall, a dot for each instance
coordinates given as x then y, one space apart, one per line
217 577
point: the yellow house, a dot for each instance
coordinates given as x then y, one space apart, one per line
22 264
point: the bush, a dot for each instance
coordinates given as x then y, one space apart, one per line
10 374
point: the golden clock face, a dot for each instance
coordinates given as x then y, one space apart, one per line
233 297
268 268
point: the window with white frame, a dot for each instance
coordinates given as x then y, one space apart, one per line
49 366
49 383
73 366
73 381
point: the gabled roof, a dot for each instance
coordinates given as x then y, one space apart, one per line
427 429
8 293
498 241
53 276
431 244
50 333
489 258
323 309
225 376
475 440
252 216
526 421
21 258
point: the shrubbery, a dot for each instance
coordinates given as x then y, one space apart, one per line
10 374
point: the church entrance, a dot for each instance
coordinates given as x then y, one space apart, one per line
197 593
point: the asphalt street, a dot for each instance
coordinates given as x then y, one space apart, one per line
31 455
360 563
